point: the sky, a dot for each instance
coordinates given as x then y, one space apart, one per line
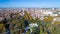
30 3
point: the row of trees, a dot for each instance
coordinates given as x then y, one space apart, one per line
17 21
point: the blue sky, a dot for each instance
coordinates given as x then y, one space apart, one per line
30 3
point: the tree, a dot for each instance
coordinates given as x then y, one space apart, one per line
6 24
27 16
48 19
56 30
28 31
2 28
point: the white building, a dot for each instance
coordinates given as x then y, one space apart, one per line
32 25
46 13
56 19
53 15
